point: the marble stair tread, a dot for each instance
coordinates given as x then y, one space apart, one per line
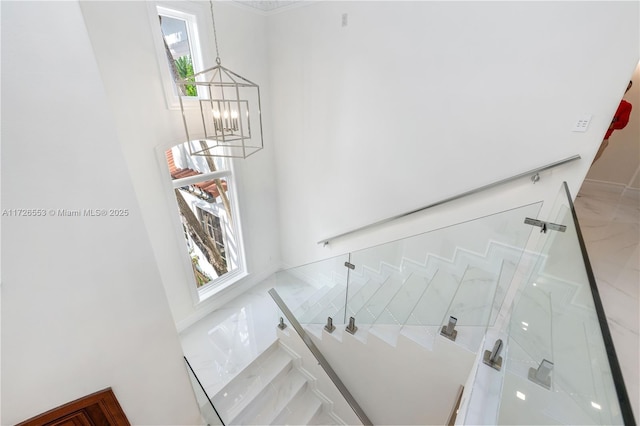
404 301
312 300
293 289
359 299
473 301
332 308
320 306
273 399
301 409
251 382
376 304
432 306
507 273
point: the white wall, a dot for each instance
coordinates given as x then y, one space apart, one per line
620 164
130 70
83 307
402 385
414 102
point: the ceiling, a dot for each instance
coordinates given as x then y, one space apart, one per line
267 5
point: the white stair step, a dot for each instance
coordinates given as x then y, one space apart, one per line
312 300
301 409
376 304
400 307
271 402
424 336
321 306
473 301
432 306
293 289
507 273
360 298
251 382
386 332
322 418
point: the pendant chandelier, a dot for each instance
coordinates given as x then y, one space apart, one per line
228 122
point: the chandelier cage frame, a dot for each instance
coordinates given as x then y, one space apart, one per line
229 118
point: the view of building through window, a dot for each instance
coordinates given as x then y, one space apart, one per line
205 202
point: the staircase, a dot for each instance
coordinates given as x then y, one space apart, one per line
414 298
274 389
399 310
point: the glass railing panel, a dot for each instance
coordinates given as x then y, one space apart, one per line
316 290
207 409
434 303
370 312
557 319
428 269
400 307
531 326
335 404
472 305
505 278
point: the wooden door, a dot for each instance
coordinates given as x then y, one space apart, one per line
98 409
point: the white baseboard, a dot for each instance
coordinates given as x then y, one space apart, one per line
591 184
611 187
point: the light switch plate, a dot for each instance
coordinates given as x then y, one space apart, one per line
582 124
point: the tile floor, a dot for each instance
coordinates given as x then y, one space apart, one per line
610 224
223 343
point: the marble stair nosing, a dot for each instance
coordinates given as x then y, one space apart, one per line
240 392
301 410
311 301
273 399
457 266
318 308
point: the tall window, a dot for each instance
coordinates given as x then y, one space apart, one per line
203 187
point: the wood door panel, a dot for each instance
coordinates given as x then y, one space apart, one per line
78 418
98 409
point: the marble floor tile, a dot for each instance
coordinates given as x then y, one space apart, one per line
610 224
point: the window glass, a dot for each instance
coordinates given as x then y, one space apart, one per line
178 49
203 188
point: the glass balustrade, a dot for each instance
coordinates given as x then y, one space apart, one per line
561 367
467 280
207 409
413 286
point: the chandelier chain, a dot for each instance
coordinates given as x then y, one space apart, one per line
215 36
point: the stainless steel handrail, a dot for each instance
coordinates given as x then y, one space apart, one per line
534 178
321 359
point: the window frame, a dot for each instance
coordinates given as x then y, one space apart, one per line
194 14
190 13
201 294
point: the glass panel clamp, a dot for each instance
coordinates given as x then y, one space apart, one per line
329 327
542 375
351 327
448 330
493 358
281 324
545 225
